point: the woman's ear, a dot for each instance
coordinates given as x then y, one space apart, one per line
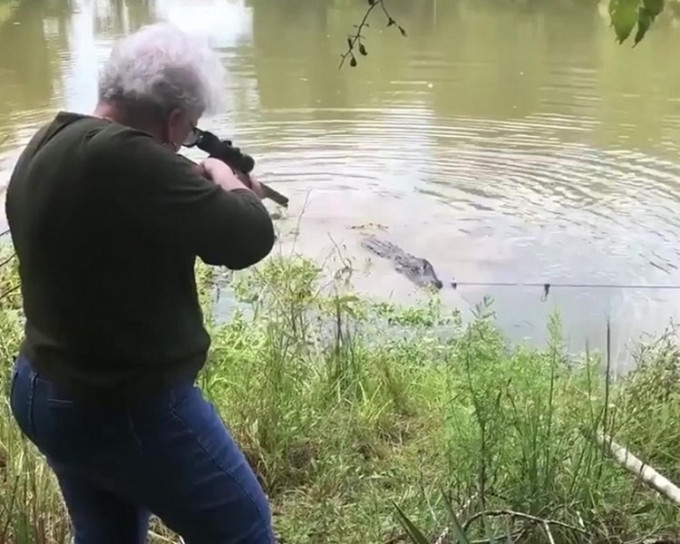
174 129
175 121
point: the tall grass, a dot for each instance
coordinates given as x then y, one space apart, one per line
352 412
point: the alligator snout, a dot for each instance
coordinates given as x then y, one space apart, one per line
424 274
432 278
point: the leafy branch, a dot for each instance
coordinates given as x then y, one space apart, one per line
355 42
625 15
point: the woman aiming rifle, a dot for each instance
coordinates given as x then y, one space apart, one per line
107 221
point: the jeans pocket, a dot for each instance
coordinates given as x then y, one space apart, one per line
57 403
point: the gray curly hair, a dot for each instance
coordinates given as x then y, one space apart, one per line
164 66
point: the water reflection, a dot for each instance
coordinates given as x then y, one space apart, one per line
30 74
295 57
115 18
504 141
226 24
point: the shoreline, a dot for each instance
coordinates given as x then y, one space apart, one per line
344 428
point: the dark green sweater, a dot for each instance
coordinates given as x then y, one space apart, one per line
107 225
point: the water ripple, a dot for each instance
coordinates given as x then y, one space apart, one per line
567 208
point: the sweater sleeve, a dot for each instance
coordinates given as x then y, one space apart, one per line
158 189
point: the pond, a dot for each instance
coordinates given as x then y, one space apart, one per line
505 141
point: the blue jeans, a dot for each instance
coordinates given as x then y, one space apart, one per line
170 456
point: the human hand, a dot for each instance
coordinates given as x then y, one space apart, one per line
215 168
256 187
221 174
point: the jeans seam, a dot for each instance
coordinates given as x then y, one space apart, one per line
218 464
31 403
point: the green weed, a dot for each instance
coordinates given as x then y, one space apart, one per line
367 422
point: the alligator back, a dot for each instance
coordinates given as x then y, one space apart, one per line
381 248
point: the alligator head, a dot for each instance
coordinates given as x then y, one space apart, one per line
419 271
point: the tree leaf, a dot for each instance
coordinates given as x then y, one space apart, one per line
624 16
654 7
613 4
644 22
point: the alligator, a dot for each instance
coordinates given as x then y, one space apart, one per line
418 270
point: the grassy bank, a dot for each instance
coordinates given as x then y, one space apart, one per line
343 422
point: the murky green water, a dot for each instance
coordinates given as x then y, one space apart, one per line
505 141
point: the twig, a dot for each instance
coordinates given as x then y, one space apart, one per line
389 17
7 260
546 528
441 538
489 540
521 515
9 291
644 472
164 538
352 40
515 536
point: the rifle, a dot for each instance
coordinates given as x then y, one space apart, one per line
241 163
